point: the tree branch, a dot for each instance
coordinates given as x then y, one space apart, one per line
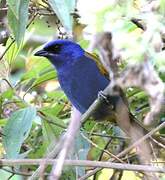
84 163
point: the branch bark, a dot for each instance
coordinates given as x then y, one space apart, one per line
84 163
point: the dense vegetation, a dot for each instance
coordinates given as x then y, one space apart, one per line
34 111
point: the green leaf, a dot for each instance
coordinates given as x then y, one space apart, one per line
63 10
8 94
14 5
45 77
18 25
49 133
16 130
13 52
38 68
58 123
2 122
40 71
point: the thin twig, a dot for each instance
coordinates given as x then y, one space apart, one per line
50 120
158 143
108 136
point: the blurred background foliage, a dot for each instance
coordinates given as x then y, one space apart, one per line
33 109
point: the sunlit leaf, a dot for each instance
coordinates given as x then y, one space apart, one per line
13 52
16 130
8 94
3 122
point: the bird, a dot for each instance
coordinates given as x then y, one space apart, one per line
81 76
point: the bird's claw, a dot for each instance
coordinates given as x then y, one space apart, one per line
105 98
101 95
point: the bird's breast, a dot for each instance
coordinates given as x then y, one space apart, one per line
81 83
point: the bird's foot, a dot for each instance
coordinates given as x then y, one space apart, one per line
105 98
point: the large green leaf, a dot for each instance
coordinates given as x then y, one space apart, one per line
63 10
14 5
17 130
18 24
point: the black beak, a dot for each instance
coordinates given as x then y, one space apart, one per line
41 53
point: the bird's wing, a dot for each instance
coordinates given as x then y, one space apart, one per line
98 63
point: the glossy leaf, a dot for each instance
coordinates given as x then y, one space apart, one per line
16 130
18 24
63 10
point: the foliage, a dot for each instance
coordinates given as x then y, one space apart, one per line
34 112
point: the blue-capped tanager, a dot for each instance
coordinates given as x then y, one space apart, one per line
81 79
79 75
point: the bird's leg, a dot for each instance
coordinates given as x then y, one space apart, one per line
103 97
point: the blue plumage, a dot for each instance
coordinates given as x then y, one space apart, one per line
81 82
78 75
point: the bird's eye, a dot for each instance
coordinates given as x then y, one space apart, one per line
54 48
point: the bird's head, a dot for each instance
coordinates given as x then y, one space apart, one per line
61 52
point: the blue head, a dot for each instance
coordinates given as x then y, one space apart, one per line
61 52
